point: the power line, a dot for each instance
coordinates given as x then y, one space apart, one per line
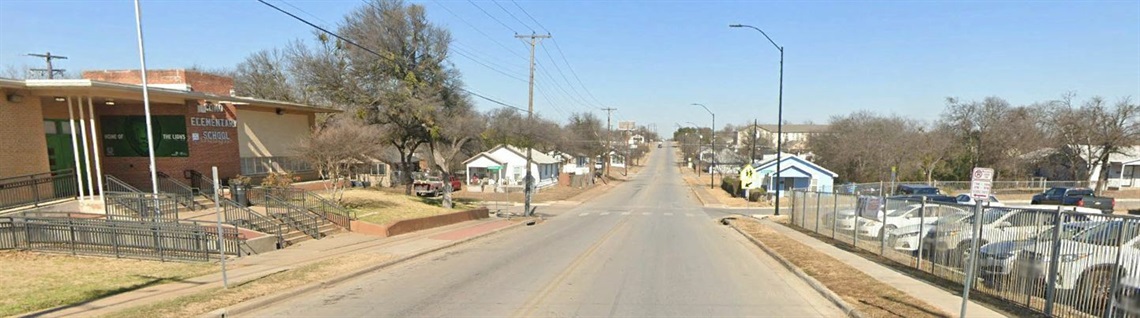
477 29
473 59
512 15
564 78
310 14
531 18
346 40
572 72
492 17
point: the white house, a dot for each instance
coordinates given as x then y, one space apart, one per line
796 173
505 166
1122 168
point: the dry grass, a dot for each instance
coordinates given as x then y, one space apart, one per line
206 301
382 207
34 281
871 297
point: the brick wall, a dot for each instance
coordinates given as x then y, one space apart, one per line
23 147
203 153
198 81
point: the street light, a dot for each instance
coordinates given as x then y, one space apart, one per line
712 142
780 113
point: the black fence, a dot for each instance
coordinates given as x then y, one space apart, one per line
163 241
245 217
141 206
180 191
291 215
1060 261
308 201
37 188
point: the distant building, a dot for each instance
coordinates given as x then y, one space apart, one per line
795 136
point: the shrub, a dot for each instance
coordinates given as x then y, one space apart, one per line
278 180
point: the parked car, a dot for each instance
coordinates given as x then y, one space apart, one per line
998 224
906 216
1083 197
938 198
906 238
844 219
919 189
428 185
1087 262
966 199
997 258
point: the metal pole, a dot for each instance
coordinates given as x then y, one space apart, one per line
1050 290
883 228
968 283
818 205
75 148
779 128
712 142
146 110
834 214
86 150
921 231
95 146
218 216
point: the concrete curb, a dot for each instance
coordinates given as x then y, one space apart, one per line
257 303
811 281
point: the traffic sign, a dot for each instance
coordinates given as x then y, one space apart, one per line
981 183
747 181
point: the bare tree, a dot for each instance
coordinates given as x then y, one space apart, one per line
931 149
1112 130
265 74
454 130
864 146
334 148
585 135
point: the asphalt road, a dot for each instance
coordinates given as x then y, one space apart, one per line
646 248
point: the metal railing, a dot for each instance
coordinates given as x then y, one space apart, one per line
245 217
1056 260
123 239
179 190
141 206
113 184
293 216
37 188
202 184
313 203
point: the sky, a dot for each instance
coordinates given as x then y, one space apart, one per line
651 60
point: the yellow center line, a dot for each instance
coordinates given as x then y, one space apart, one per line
532 304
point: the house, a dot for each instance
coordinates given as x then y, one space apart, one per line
795 136
636 139
1121 169
1054 164
504 167
797 173
617 159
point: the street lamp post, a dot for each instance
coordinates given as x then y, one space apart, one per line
780 113
712 143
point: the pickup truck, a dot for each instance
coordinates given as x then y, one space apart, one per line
1082 197
433 185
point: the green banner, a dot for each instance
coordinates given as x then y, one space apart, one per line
125 136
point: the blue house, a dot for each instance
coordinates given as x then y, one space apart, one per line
797 173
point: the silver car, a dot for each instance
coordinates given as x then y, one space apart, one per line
998 257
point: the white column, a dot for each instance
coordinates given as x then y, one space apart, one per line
86 150
95 150
75 148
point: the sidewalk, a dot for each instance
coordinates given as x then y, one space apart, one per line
256 266
935 296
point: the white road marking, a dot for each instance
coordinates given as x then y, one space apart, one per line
668 213
605 213
584 214
688 214
645 213
625 213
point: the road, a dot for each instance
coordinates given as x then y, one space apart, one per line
645 248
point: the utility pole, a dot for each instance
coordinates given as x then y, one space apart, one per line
51 71
529 182
753 142
609 140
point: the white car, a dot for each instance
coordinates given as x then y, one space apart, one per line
966 199
906 216
1088 261
844 220
1126 300
906 238
998 224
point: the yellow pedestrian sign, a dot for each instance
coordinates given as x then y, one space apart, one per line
746 179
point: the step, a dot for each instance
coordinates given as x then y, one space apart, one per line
295 237
329 228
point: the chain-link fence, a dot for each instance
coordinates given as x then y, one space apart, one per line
952 187
1054 260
